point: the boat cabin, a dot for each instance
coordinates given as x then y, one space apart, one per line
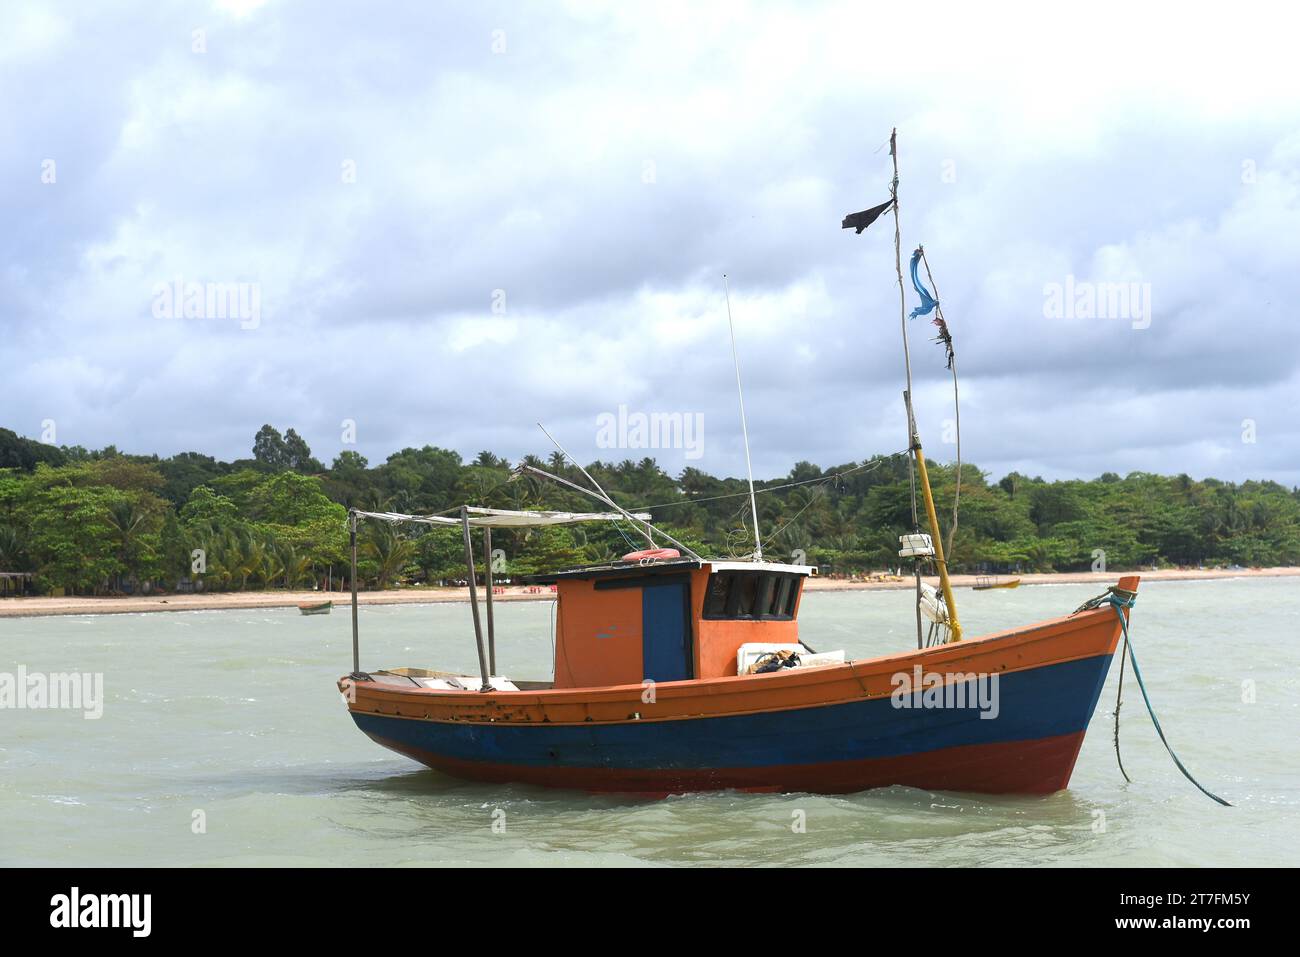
673 619
653 615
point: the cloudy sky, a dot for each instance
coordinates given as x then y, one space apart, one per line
457 219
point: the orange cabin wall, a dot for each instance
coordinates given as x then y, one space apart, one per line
716 642
597 636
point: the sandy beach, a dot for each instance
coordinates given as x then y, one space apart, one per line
216 601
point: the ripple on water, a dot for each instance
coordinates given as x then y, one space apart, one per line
235 715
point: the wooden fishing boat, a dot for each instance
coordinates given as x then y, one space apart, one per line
986 582
673 672
646 695
316 608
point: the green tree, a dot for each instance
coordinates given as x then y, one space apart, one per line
389 549
298 454
269 448
68 528
17 452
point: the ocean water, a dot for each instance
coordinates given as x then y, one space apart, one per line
231 720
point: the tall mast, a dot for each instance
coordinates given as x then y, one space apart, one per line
918 454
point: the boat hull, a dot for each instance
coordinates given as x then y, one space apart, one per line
1028 746
1002 713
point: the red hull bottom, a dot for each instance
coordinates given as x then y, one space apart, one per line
1041 766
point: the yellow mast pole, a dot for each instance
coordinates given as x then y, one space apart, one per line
954 625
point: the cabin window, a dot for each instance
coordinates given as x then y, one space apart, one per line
792 597
751 596
781 604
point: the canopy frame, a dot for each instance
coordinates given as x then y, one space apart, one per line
487 519
502 517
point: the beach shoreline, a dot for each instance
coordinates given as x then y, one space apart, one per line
219 601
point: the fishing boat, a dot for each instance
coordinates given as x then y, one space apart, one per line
986 582
674 672
316 608
649 694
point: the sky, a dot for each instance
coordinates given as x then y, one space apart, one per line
449 222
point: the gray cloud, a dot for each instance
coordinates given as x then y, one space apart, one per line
603 171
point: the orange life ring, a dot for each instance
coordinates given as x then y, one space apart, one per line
651 554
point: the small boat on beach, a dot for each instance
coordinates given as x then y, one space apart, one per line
985 582
316 608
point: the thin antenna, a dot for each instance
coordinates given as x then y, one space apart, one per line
744 428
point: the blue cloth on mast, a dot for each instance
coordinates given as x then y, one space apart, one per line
928 302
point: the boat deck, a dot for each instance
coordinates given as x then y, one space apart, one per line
450 681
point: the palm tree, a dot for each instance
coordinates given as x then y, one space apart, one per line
217 555
247 559
519 495
289 565
128 521
390 550
477 484
12 553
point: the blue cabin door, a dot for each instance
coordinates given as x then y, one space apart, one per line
665 632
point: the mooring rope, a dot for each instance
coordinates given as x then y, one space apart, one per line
1120 599
1119 701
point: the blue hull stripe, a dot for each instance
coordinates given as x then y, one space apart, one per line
1038 703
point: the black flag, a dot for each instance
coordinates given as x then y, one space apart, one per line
862 220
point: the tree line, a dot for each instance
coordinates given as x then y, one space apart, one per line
103 521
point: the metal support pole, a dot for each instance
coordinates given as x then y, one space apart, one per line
473 599
916 571
356 645
492 637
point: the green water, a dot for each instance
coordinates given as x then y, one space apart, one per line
234 714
